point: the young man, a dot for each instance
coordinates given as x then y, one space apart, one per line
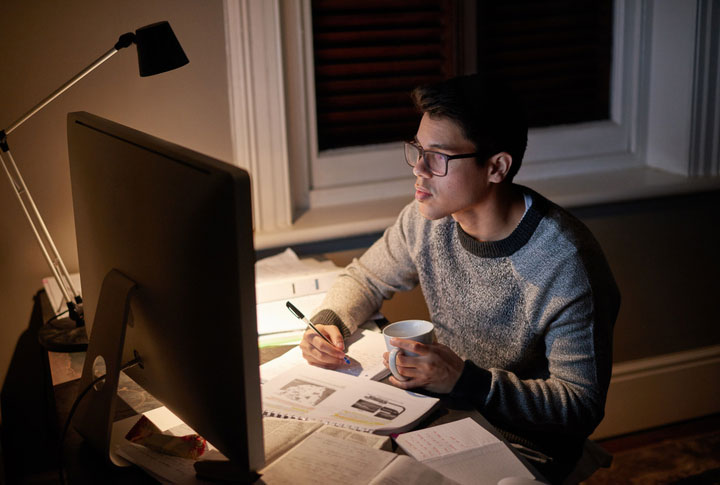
519 291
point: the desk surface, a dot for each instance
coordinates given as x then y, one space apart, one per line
80 461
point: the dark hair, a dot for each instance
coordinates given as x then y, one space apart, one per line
485 109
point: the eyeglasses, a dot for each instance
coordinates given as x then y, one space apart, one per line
436 162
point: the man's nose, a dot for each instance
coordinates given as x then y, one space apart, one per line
421 169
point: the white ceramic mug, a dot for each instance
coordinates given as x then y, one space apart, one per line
417 330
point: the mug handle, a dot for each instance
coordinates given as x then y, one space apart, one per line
393 365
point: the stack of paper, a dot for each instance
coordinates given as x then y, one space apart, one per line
286 277
52 289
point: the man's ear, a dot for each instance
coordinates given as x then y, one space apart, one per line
499 166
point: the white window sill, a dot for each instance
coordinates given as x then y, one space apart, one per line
571 191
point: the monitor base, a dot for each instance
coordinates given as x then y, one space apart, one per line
224 471
63 335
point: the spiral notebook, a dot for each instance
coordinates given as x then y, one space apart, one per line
307 392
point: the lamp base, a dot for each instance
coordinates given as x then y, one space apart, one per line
63 335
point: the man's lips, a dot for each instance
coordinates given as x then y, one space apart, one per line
421 193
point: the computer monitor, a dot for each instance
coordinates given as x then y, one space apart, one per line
165 247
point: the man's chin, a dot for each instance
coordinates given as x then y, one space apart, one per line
428 213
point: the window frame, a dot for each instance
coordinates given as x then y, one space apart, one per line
270 67
579 146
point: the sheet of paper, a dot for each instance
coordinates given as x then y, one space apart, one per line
274 317
326 459
308 392
446 439
163 418
403 470
281 339
52 289
481 466
165 468
286 264
364 349
464 451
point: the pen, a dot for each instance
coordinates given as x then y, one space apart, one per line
302 317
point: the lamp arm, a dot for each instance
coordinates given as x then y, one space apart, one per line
60 90
52 257
55 262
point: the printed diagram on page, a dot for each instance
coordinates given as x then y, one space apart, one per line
379 407
305 393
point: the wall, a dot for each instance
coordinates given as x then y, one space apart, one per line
664 255
44 43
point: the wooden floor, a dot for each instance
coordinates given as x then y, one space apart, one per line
681 453
670 431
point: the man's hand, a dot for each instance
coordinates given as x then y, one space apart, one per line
436 368
320 353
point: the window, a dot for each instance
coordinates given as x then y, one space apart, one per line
368 56
661 108
589 113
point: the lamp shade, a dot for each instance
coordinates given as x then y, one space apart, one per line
158 49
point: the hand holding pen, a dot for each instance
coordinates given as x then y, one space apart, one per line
318 358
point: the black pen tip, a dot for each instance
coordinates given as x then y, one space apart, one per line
294 310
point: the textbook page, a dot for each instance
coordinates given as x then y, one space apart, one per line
379 442
364 348
280 435
464 451
308 392
326 459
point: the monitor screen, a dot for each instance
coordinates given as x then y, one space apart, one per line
178 224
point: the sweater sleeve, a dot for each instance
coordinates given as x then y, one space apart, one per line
578 343
358 293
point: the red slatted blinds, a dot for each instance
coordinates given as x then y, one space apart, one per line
370 54
556 54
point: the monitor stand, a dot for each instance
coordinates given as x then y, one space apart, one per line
96 410
224 471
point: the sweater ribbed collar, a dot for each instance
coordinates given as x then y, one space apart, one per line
517 239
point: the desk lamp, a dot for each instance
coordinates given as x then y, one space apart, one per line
158 51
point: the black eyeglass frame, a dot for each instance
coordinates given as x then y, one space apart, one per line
444 156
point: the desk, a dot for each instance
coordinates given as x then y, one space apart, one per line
34 413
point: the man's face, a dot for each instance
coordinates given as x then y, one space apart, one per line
463 188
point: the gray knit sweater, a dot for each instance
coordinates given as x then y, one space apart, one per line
532 314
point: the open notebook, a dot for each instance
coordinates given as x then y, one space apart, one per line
307 392
465 452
